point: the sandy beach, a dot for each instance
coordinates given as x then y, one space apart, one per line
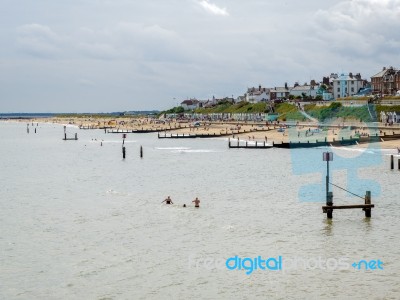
277 133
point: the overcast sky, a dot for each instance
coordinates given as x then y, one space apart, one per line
117 55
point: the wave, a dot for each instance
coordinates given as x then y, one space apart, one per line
194 151
172 148
113 192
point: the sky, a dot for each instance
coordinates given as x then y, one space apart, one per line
123 55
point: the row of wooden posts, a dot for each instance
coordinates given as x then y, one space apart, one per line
392 163
27 127
124 152
123 142
124 149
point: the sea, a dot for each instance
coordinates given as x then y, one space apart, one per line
77 221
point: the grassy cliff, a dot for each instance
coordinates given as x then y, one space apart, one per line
241 107
336 110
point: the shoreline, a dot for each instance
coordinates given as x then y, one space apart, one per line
245 131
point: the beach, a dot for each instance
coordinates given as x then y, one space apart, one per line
270 132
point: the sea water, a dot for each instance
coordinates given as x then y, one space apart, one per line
79 222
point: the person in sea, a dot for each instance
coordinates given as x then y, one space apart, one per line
168 201
196 202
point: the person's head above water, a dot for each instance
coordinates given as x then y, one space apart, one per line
184 205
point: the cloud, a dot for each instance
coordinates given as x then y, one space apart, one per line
363 28
121 41
213 8
38 40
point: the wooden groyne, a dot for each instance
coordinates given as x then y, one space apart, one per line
191 135
337 142
88 127
389 137
247 145
317 143
158 129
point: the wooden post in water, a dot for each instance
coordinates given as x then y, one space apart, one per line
35 130
27 128
76 136
123 152
368 201
141 152
329 202
391 162
398 163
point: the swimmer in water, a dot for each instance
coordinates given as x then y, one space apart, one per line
168 201
184 205
196 202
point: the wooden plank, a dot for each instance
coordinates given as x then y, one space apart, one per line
325 207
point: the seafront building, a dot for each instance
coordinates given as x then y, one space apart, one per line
259 94
279 93
384 83
347 85
307 90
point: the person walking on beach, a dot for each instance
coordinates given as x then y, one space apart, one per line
168 201
196 202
